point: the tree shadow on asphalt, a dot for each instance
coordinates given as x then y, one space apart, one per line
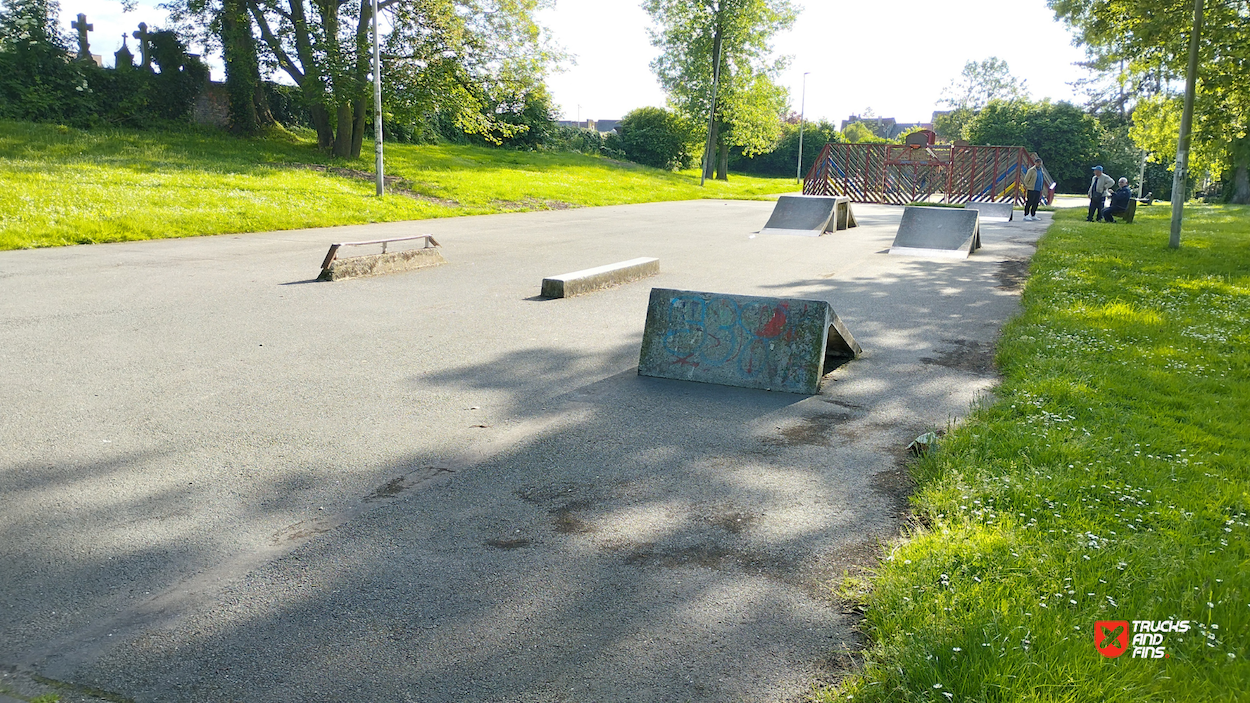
650 539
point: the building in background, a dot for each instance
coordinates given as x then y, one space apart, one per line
885 127
601 126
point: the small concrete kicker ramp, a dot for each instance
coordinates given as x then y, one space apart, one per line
778 344
1003 210
810 215
937 231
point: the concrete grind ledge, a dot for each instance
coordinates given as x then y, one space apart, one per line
567 285
378 264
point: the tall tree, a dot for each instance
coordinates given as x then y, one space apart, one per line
749 103
981 82
461 56
249 108
978 84
1061 133
1153 42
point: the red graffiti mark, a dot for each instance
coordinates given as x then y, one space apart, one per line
685 361
776 324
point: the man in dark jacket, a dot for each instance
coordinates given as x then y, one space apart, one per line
1120 198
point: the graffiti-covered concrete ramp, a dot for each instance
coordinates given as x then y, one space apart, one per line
778 344
810 215
937 231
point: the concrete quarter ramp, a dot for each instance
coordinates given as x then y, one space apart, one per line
742 340
936 231
1006 211
810 215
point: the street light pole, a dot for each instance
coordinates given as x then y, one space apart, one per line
377 102
798 169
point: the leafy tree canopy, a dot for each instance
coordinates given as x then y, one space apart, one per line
460 57
978 84
859 133
983 81
1064 135
749 103
653 136
1152 42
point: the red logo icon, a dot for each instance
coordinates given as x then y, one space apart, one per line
1111 637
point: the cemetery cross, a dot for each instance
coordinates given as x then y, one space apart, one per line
144 48
84 49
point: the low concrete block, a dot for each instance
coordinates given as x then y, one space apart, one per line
778 344
810 215
569 284
1004 210
941 232
378 264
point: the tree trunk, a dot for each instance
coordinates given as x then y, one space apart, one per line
709 155
264 116
358 126
242 72
343 131
722 163
321 122
1241 172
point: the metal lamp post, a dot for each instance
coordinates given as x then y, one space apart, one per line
798 169
377 102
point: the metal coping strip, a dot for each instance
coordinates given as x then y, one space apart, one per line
334 248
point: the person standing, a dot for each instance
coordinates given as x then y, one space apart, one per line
1120 198
1098 193
1034 181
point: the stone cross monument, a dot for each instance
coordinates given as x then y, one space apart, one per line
144 47
84 49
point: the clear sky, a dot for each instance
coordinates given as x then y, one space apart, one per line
894 58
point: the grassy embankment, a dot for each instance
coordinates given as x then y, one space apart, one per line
66 186
1109 481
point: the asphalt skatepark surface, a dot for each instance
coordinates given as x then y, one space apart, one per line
220 480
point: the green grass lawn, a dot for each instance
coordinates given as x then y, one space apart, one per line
1110 480
67 186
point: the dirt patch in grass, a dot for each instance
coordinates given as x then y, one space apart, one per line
1012 274
897 485
397 185
532 204
964 355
